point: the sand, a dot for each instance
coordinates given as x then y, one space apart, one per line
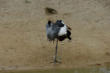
23 41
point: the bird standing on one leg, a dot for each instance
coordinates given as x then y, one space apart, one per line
59 31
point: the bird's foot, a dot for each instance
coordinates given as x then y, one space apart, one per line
57 60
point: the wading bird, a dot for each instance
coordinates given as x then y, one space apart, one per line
58 31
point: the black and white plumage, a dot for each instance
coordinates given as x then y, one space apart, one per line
59 31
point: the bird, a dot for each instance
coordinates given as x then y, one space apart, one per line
57 31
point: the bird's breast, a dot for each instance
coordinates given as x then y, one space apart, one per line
62 31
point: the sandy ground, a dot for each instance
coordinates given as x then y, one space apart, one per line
23 41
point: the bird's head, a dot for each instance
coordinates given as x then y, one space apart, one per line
60 21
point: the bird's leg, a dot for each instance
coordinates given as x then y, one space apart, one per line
55 59
53 41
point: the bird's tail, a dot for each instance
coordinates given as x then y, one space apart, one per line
68 35
69 38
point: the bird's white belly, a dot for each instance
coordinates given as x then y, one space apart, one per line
62 31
